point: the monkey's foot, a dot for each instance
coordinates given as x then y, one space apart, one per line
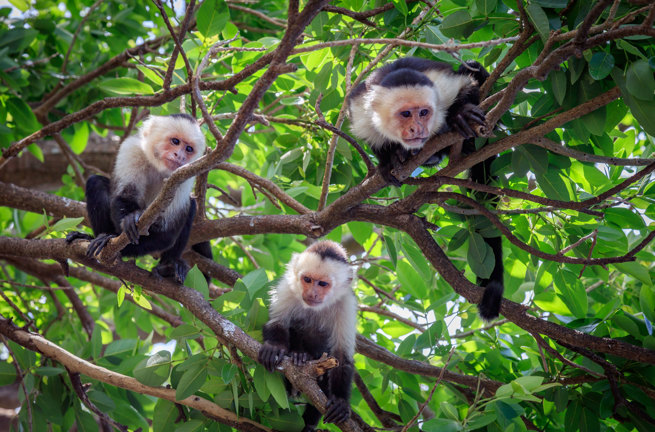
338 410
385 172
468 113
77 235
299 358
128 225
270 355
98 244
172 268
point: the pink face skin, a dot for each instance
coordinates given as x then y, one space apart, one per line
314 288
176 152
413 123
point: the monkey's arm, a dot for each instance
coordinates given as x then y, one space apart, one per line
341 378
276 345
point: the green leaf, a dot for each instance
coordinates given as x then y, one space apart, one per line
458 239
361 231
22 5
259 381
48 371
120 296
401 5
636 270
154 370
624 218
443 425
555 4
539 19
36 152
536 157
121 346
410 280
458 24
212 17
559 85
486 7
642 110
66 224
480 256
600 65
553 185
7 373
196 280
254 281
647 301
80 138
164 416
276 387
22 115
184 331
191 381
125 86
141 300
572 292
640 81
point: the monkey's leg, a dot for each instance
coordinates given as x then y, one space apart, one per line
340 382
97 207
204 249
171 263
311 416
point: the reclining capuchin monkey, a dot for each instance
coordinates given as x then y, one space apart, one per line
143 163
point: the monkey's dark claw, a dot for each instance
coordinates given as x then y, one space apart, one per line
299 358
77 235
172 268
98 244
271 355
128 225
463 127
338 410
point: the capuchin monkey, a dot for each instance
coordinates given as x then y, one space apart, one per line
403 104
143 163
314 311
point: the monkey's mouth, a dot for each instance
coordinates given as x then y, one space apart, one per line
312 303
173 164
415 142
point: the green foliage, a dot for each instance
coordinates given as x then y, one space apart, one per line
615 301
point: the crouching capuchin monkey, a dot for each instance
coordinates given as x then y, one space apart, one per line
314 311
143 163
403 104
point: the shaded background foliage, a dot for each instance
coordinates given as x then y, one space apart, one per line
81 72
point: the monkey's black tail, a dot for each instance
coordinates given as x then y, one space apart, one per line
489 307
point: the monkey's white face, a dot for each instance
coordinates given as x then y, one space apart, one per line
405 114
319 282
170 142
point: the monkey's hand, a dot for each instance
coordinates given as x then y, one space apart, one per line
77 235
299 358
385 172
270 355
128 225
172 268
469 113
98 244
338 410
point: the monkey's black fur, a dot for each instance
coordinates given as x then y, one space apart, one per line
111 215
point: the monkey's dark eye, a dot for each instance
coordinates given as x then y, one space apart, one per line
189 149
424 112
175 141
406 114
323 283
307 279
